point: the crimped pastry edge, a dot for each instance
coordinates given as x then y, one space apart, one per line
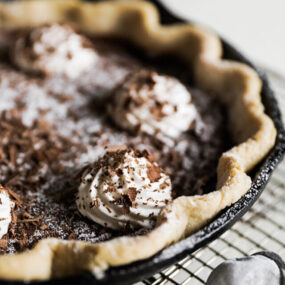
236 84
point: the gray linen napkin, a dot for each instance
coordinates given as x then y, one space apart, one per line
262 268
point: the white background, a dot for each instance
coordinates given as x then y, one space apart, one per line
255 27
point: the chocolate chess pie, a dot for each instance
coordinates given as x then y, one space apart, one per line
118 136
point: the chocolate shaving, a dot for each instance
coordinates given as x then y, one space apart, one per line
72 236
3 244
143 153
116 148
153 173
132 193
163 185
95 204
16 198
124 201
30 220
43 227
37 146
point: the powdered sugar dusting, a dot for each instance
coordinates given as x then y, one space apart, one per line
74 114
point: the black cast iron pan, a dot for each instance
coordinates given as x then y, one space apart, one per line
138 270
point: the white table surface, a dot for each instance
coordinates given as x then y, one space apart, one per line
256 27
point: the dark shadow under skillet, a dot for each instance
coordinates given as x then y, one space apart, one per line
142 269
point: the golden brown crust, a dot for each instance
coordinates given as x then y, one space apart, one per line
237 85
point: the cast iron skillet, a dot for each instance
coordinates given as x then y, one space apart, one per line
138 270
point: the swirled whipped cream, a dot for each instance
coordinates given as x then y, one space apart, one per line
153 103
6 205
54 49
124 189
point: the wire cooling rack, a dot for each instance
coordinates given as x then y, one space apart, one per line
262 228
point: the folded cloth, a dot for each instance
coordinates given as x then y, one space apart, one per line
262 268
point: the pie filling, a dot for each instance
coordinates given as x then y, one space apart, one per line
66 101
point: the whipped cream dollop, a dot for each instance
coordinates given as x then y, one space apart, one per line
124 189
153 103
6 205
54 49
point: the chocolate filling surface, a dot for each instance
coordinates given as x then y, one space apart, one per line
51 128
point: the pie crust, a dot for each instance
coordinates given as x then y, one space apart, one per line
237 86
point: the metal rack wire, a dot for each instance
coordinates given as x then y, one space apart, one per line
262 228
